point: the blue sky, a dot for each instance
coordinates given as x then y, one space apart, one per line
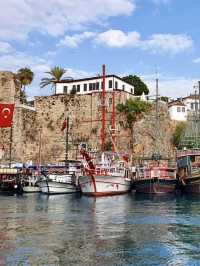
139 37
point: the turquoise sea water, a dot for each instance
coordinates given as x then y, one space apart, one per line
119 230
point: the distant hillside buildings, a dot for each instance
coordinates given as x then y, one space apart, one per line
182 107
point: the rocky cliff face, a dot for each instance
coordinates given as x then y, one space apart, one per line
37 134
151 135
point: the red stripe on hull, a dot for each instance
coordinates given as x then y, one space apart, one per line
102 194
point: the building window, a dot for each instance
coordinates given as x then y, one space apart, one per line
178 109
97 85
74 88
116 85
90 86
196 106
110 84
93 86
85 87
132 90
123 87
78 88
183 109
192 106
110 101
65 89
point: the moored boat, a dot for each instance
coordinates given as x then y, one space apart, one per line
188 164
155 177
10 182
106 178
61 179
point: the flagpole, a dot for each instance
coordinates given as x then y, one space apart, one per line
11 137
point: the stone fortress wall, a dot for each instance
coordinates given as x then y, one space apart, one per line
38 130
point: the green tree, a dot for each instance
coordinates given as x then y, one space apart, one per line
164 99
133 110
176 137
56 74
25 77
139 85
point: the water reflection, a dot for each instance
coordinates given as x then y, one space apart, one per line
122 230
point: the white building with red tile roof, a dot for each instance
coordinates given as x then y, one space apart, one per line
179 109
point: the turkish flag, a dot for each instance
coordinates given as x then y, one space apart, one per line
64 125
6 114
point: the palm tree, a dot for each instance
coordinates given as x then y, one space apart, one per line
56 74
25 77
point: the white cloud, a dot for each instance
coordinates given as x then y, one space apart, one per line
196 60
5 48
170 43
157 43
117 38
74 40
39 66
19 18
171 86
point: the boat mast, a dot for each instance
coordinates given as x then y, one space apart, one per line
103 129
157 135
39 149
67 141
10 151
113 121
199 98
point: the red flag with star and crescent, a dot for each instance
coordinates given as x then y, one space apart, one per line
6 114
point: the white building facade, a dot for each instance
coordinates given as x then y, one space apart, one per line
181 108
93 84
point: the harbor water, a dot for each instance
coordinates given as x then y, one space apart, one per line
120 230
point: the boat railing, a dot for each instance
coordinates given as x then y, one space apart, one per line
191 152
159 172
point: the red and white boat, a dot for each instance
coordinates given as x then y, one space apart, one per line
107 178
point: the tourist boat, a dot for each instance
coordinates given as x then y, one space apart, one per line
61 180
188 153
10 182
30 182
109 177
188 165
155 176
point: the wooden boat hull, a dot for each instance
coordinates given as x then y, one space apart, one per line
53 187
191 185
155 186
103 185
10 188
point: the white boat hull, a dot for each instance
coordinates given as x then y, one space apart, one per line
31 189
53 187
104 185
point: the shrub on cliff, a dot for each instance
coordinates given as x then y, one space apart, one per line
176 137
133 109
